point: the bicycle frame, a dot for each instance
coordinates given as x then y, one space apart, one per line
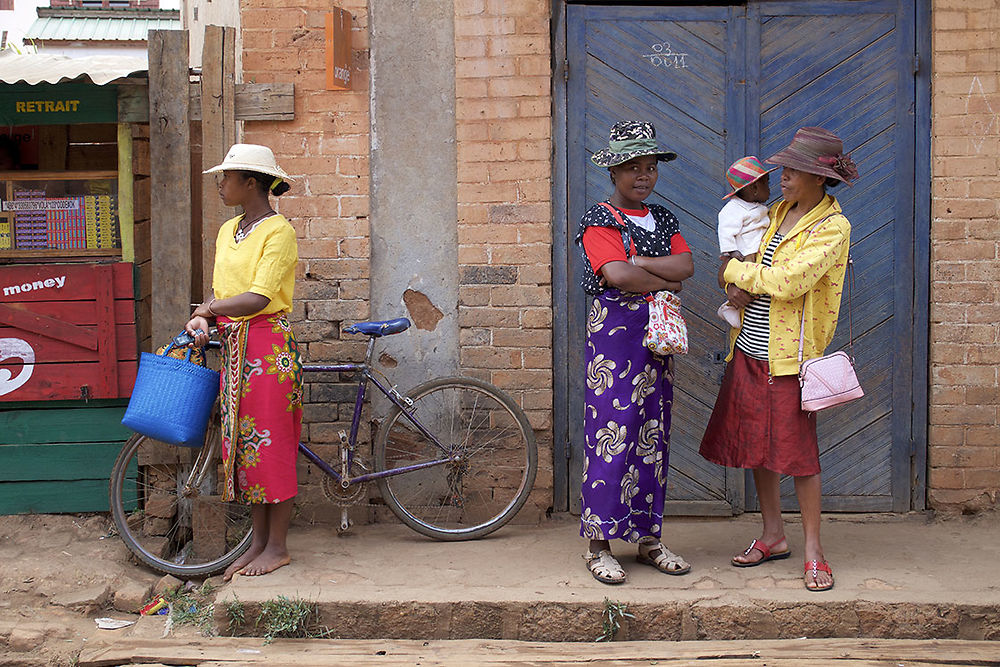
395 397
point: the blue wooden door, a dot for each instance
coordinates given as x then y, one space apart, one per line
720 83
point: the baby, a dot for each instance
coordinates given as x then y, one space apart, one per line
743 220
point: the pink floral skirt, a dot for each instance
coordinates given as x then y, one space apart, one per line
261 405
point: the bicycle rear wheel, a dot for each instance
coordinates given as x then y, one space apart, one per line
167 505
491 455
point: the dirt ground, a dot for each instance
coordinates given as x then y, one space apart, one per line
59 573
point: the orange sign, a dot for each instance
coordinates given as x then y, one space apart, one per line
338 50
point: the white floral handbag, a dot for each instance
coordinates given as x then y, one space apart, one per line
666 332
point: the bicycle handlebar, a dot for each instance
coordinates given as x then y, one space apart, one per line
183 339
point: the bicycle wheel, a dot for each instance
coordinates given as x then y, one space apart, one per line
166 503
491 455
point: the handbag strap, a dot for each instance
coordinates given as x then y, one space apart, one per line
850 309
626 239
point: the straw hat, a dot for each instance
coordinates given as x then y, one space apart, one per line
250 157
745 171
630 139
817 151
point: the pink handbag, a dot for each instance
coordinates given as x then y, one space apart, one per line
829 380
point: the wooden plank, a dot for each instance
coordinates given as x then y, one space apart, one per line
255 101
133 104
78 312
126 218
52 351
218 133
86 495
788 652
107 351
58 461
48 327
64 424
169 144
69 381
53 142
68 282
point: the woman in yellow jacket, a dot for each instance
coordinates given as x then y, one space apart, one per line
758 422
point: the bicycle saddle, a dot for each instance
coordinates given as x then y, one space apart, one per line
377 329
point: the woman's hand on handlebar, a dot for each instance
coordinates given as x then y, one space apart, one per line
197 326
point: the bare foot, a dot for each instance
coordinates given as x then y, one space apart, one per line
268 561
753 555
243 561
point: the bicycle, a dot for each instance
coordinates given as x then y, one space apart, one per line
454 458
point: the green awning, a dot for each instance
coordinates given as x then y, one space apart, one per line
98 28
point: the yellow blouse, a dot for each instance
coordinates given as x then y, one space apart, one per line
262 263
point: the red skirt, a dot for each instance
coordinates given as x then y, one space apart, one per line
761 424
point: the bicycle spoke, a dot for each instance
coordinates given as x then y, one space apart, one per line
492 466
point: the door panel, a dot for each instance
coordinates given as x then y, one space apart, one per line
748 78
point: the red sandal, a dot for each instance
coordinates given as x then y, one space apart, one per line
814 567
765 549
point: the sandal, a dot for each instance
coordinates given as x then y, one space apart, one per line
814 567
665 561
605 567
764 549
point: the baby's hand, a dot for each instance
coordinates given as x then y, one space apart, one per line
732 254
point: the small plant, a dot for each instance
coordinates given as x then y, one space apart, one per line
611 619
236 613
293 619
194 608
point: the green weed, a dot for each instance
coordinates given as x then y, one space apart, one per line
611 619
287 618
236 613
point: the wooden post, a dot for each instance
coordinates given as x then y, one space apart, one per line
218 133
126 217
170 179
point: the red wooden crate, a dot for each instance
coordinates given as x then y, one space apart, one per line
67 331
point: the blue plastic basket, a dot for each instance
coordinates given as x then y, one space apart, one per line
172 400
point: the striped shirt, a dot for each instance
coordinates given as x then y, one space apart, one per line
756 329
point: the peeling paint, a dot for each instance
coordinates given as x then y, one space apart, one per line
423 313
387 360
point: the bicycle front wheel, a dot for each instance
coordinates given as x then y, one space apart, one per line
167 506
490 451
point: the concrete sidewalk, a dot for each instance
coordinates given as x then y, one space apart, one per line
896 577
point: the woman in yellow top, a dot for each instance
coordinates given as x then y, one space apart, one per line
758 421
261 379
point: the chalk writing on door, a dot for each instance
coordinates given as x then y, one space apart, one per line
664 56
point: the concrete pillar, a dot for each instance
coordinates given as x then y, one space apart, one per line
414 212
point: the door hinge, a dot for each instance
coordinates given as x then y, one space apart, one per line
916 63
566 71
569 451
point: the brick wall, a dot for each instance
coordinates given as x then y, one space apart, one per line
504 165
503 115
964 437
325 149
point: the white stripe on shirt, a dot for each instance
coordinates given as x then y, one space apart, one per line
756 330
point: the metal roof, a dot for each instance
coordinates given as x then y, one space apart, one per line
35 68
100 28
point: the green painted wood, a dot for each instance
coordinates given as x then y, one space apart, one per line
58 461
85 495
92 424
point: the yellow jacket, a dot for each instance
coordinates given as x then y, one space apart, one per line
807 271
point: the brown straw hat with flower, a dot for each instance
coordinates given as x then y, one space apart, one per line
817 151
630 139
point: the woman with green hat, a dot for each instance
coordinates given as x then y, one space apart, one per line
629 249
261 378
791 300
